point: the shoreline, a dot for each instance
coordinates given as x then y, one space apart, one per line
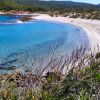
91 27
14 12
26 16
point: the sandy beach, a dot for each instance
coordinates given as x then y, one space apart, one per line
91 27
1 12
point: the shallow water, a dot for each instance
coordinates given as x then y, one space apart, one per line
9 18
36 38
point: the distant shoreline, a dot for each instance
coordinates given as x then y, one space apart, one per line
27 16
14 12
91 27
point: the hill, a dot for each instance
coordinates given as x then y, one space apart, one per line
54 8
57 4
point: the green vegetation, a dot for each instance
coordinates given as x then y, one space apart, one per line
8 5
81 82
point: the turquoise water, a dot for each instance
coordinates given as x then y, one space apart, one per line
10 18
36 39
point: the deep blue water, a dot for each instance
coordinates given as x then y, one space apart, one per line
36 38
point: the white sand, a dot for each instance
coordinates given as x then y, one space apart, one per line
1 12
92 27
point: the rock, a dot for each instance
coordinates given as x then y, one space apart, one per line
26 18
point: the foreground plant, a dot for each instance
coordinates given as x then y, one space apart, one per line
66 78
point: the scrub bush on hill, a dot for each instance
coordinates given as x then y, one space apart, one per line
80 82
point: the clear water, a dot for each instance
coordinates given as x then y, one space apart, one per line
36 39
9 18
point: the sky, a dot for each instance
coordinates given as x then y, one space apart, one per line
85 1
89 1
